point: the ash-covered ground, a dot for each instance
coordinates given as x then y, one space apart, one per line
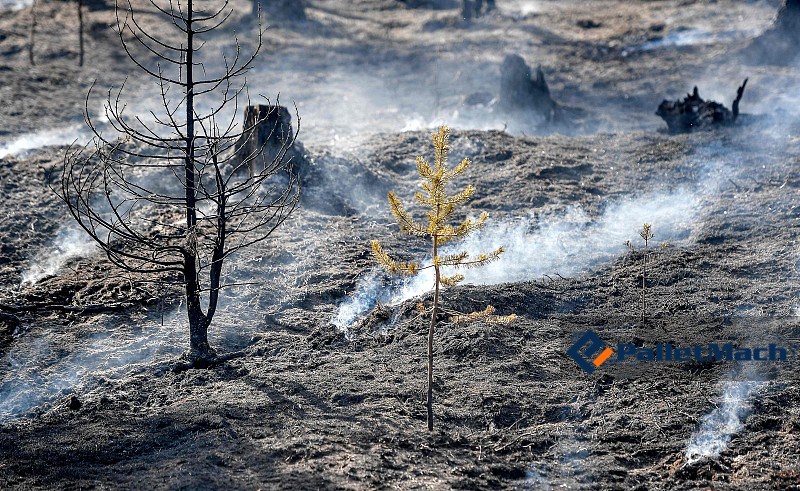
330 394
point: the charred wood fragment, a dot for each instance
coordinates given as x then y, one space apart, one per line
693 113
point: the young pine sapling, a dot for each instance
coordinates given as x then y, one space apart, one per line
439 232
646 234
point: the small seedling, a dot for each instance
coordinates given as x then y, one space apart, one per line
439 232
645 234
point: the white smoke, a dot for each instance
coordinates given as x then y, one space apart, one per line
368 290
690 37
720 425
69 243
32 141
521 7
36 371
568 244
15 4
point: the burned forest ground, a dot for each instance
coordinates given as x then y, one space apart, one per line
330 392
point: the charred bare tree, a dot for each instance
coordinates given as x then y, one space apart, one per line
163 196
693 113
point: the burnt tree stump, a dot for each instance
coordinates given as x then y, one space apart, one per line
267 135
694 114
778 45
520 92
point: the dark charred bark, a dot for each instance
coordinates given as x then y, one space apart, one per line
693 113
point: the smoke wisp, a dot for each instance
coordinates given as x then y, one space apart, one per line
36 370
720 425
69 243
568 244
15 4
32 141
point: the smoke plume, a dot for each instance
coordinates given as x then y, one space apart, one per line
567 244
32 141
720 425
69 243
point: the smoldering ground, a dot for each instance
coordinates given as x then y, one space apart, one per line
308 407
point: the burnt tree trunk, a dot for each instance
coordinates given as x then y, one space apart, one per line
693 113
522 93
267 136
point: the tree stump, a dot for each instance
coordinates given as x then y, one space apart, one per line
519 92
695 114
281 10
778 45
267 135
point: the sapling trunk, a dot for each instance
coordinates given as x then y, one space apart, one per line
646 234
430 335
644 282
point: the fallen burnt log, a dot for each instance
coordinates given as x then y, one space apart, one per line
694 114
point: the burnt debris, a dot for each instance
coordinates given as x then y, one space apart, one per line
694 113
522 93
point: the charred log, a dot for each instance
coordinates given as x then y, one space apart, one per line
779 44
522 93
267 137
693 113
